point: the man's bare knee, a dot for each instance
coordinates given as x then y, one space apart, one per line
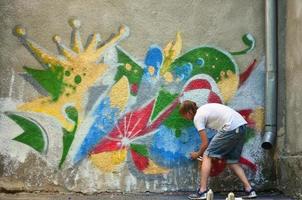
206 157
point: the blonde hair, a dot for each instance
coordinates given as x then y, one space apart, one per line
187 106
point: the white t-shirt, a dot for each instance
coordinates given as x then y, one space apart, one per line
217 116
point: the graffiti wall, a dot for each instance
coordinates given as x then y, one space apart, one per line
106 119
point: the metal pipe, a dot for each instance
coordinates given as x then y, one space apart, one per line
269 137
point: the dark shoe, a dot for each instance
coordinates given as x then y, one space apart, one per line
198 195
250 194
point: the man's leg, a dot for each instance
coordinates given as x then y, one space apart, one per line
237 169
205 172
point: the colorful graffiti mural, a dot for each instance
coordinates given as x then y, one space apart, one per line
134 120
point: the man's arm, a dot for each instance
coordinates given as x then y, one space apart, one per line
204 142
203 146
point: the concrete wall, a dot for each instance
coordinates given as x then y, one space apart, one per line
289 149
102 115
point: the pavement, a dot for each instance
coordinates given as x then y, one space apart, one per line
121 196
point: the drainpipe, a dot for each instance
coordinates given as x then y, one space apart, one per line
269 137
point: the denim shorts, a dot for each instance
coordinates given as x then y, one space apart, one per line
227 145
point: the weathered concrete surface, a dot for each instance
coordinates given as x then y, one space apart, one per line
289 175
293 75
289 148
151 22
139 196
216 23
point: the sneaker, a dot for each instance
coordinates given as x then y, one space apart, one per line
198 195
250 194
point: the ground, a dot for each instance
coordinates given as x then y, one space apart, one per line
119 196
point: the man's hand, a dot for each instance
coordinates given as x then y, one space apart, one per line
194 155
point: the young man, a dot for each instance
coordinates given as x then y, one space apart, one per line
226 144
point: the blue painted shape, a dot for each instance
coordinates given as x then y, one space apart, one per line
200 62
105 119
170 151
183 72
154 58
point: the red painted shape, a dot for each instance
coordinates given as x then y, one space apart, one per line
244 76
246 115
198 84
130 126
218 166
214 98
134 88
141 162
248 163
106 145
137 121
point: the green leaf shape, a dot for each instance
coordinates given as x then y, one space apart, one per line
176 121
67 141
50 79
163 100
249 40
72 113
140 149
32 135
250 133
68 136
215 61
134 75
